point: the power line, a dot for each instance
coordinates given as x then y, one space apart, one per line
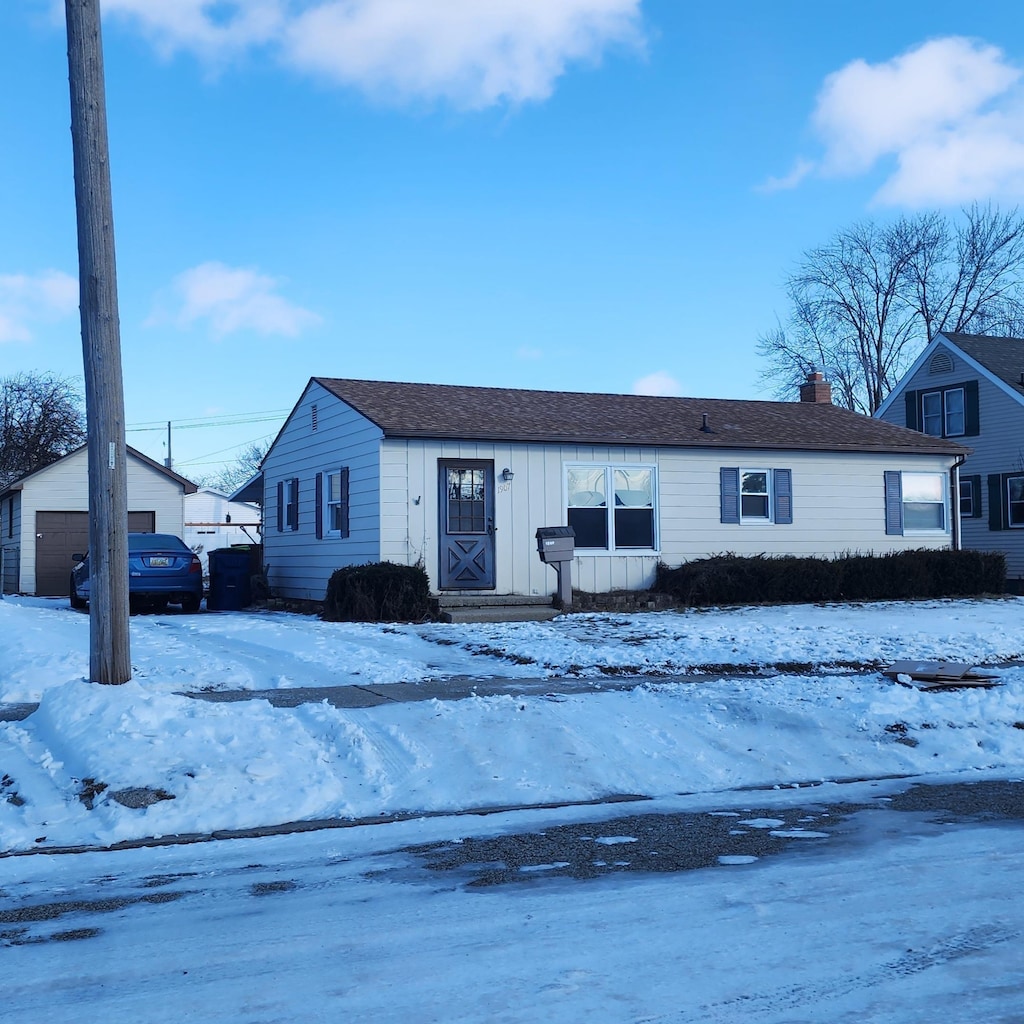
239 419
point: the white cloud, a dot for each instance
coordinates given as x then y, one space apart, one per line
866 111
947 115
214 29
27 299
472 53
801 168
235 299
659 384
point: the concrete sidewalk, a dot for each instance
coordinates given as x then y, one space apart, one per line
454 688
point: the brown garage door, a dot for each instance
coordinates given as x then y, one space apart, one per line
59 535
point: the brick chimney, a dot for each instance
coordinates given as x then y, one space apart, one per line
816 389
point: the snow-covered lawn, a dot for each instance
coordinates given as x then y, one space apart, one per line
237 765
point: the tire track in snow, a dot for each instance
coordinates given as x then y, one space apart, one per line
787 998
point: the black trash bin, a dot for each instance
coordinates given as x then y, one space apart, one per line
230 580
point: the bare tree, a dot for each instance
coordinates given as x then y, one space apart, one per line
864 305
41 420
246 465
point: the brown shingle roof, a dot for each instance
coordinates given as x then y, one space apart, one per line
1002 356
562 417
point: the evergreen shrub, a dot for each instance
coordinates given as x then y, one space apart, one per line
782 579
377 592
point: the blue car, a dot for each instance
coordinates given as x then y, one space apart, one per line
162 570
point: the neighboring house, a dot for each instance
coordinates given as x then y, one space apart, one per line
44 518
970 388
460 478
213 520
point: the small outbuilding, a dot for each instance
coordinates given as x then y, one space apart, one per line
44 518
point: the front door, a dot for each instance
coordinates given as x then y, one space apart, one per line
466 504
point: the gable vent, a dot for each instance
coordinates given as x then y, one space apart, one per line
942 362
313 417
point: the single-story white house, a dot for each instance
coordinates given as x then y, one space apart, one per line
970 388
44 518
459 479
213 520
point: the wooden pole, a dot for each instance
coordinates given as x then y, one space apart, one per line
109 654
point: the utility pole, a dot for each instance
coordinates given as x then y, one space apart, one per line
109 654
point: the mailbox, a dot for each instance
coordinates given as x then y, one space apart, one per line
556 543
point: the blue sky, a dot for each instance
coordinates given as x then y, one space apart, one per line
593 195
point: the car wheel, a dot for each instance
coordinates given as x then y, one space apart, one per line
190 603
159 606
76 602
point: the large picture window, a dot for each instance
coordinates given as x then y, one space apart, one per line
611 508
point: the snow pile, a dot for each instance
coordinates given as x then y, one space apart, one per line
98 765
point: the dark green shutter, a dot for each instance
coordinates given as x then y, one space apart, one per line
730 494
319 504
996 518
782 481
975 482
343 498
913 410
972 418
280 506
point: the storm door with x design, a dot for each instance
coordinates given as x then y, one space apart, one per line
466 555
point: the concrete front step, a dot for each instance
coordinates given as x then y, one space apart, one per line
493 608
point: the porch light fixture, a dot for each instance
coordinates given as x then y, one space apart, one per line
507 474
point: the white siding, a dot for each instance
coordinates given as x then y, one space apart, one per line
838 506
64 487
998 448
299 563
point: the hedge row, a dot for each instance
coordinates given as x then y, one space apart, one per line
378 592
763 579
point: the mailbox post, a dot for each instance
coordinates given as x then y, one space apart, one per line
556 546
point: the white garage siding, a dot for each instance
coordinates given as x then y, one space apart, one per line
64 487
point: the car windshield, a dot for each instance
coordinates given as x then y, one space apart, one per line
155 542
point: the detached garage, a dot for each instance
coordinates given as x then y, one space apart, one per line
44 518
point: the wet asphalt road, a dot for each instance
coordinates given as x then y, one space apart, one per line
689 841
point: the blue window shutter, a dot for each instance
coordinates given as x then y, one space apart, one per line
972 418
344 502
319 504
730 494
893 503
996 491
280 506
782 481
913 410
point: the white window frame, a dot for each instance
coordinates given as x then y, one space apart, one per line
609 469
1010 524
966 493
290 500
329 530
765 520
963 412
927 531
